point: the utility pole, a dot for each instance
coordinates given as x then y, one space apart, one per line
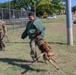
35 9
69 22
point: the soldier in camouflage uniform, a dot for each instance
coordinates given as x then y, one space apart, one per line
2 34
32 26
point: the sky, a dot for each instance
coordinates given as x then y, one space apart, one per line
73 2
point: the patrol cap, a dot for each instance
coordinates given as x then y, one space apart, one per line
31 14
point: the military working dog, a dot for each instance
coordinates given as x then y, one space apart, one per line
46 52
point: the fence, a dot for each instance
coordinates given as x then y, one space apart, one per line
14 18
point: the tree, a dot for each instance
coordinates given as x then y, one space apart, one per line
27 4
39 6
74 9
45 6
4 11
58 6
4 5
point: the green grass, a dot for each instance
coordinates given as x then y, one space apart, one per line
16 59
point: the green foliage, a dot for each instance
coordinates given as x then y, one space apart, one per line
41 6
4 5
58 6
74 9
45 6
0 5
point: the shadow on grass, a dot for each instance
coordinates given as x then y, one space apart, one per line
15 62
48 42
16 42
57 43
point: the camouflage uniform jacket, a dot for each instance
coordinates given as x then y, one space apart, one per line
2 27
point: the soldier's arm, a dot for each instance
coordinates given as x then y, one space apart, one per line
4 28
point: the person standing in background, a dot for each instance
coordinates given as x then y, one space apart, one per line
3 33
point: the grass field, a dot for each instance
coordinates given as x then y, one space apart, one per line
16 59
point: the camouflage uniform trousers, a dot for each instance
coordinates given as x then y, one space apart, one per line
33 51
2 45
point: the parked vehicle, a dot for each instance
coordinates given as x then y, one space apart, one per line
51 17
